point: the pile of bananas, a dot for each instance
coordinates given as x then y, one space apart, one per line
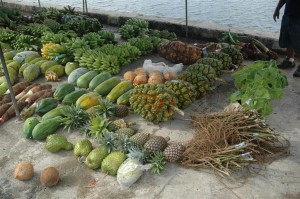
56 38
143 44
163 34
107 58
7 35
133 28
25 42
47 13
53 25
56 52
33 29
81 24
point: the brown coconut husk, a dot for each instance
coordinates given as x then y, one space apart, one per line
232 139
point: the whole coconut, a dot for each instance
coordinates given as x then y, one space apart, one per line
49 176
23 171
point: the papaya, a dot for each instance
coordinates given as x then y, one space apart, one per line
105 87
47 127
75 74
84 80
72 97
28 126
45 105
88 100
62 90
124 99
98 80
119 90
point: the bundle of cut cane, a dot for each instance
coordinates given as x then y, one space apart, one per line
229 140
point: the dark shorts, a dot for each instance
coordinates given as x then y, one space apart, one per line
290 33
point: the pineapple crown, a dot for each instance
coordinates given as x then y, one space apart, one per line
75 117
108 141
98 126
124 143
106 108
138 153
158 162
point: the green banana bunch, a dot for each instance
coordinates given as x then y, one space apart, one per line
54 38
7 35
26 42
143 44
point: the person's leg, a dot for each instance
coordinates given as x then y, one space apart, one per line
288 62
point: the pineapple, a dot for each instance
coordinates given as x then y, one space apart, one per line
120 123
214 63
75 117
184 91
173 152
236 56
154 103
112 162
140 139
105 109
201 83
223 57
121 111
98 126
156 143
204 70
158 162
125 131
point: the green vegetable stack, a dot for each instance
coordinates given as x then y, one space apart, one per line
257 84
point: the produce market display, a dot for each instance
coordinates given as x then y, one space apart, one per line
96 100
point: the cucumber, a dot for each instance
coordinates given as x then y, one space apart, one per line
98 80
105 87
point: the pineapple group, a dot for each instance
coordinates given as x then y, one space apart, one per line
236 56
204 70
214 63
155 103
156 143
184 91
173 152
223 57
125 131
201 83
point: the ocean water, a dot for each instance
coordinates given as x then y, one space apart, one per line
250 14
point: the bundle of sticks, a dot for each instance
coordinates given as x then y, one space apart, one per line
233 139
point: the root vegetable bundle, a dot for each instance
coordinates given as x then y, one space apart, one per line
233 139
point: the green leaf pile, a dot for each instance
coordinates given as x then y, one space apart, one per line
257 84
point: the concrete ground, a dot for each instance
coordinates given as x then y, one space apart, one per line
278 180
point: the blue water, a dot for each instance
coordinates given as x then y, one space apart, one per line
251 14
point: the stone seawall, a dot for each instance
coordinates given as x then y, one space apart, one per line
196 30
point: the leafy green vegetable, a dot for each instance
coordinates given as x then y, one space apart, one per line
257 84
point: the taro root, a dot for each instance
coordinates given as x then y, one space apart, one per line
49 176
23 171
